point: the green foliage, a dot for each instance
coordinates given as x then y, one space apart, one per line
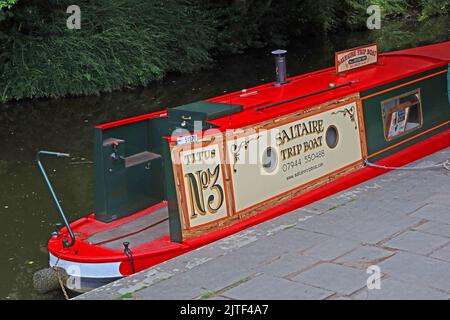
128 43
121 43
357 10
432 8
243 24
390 9
400 34
7 4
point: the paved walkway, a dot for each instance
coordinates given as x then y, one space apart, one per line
399 222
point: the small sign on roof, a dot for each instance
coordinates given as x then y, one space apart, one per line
356 58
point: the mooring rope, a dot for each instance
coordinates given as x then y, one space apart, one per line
57 270
445 165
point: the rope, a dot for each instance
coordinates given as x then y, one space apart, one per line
445 165
57 270
129 255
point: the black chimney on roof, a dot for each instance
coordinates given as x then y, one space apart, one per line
280 67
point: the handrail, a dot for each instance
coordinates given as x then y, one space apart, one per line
52 192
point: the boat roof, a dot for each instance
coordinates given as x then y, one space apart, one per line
254 103
438 51
391 67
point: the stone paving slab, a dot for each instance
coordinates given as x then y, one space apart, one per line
417 242
442 253
364 256
419 270
287 264
268 287
392 289
440 198
438 229
364 231
399 222
333 277
434 212
330 249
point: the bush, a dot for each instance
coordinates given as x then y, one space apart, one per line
7 4
128 43
120 43
432 8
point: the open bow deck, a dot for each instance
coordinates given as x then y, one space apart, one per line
171 181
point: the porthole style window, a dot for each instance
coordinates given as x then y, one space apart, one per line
270 160
332 137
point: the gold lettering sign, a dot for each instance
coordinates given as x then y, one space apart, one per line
225 178
203 186
294 154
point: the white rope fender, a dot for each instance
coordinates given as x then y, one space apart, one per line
445 165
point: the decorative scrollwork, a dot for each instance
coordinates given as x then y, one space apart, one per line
236 150
350 112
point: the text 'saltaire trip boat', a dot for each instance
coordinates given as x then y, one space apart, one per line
171 181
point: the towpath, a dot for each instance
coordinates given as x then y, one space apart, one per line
398 224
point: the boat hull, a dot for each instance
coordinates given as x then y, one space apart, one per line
97 272
84 277
160 194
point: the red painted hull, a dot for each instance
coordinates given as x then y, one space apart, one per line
163 249
98 262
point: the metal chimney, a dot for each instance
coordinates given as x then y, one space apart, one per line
280 67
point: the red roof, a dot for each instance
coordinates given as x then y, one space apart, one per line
439 51
391 67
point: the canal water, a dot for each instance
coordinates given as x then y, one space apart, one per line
27 214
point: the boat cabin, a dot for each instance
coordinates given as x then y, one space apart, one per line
171 181
327 123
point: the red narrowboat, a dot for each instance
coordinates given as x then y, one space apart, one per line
172 181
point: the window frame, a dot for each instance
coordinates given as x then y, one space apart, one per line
384 114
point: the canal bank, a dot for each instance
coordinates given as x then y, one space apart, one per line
398 222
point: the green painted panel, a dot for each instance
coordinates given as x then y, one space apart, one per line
128 177
435 111
171 195
205 110
194 117
402 81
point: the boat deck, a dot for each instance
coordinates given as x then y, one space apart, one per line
137 232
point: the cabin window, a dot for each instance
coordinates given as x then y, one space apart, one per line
402 114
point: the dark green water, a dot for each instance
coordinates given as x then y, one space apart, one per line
27 215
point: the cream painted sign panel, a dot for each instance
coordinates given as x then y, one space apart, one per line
269 163
203 186
356 58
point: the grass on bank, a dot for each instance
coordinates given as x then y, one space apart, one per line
129 43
